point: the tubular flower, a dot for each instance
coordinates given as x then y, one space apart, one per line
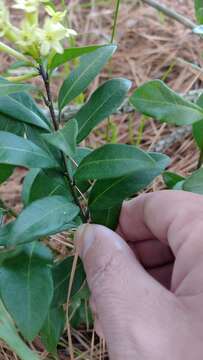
4 19
27 39
51 35
57 16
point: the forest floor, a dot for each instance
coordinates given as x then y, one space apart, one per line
150 46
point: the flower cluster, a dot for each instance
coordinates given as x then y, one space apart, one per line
32 38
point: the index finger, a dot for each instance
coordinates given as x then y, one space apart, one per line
161 215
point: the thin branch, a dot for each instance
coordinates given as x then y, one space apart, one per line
171 13
49 103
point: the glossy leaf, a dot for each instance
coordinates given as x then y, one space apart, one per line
26 100
80 154
53 328
15 150
40 183
79 79
9 334
111 161
103 102
197 128
194 183
199 11
61 276
8 88
108 217
43 217
16 110
27 288
65 138
70 54
5 172
171 179
157 100
109 193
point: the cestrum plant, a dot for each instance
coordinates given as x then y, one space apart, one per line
66 184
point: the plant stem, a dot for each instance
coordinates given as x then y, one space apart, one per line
171 13
115 20
49 104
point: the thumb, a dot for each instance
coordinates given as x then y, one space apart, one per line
119 286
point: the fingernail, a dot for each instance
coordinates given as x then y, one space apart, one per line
84 239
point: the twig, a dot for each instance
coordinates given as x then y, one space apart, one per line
171 13
49 104
115 21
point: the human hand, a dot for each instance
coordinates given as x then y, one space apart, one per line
147 282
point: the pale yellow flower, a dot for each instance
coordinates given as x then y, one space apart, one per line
4 19
27 39
29 6
51 36
57 16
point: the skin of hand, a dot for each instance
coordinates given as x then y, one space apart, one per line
146 279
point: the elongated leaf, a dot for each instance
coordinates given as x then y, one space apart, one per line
111 161
65 138
35 135
194 183
105 100
157 100
15 150
199 11
109 193
8 88
26 100
53 328
171 179
79 79
80 154
70 54
13 109
9 334
40 183
197 128
107 217
5 172
61 277
11 125
26 287
43 217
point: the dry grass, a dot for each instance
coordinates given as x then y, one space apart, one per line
150 46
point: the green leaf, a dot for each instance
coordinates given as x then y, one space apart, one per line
8 88
107 217
194 183
113 160
15 150
35 135
9 334
171 179
70 54
16 110
43 217
27 101
12 126
109 193
5 172
40 183
26 287
53 328
79 79
157 100
104 101
61 277
65 138
80 154
79 309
